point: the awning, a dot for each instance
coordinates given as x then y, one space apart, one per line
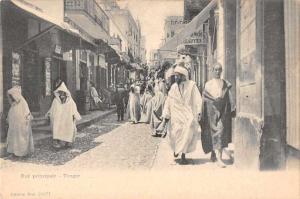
111 56
124 57
40 14
136 66
35 11
189 29
84 23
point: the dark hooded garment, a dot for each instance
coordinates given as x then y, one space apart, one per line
216 120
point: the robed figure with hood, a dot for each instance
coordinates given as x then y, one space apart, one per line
19 136
63 116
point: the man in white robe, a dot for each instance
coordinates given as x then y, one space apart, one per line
146 105
19 136
63 116
134 109
157 104
181 111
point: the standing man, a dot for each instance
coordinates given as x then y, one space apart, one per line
120 103
134 104
63 115
216 116
182 108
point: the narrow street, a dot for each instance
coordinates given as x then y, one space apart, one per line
110 159
126 146
105 144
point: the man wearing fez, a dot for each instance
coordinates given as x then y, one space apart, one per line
217 112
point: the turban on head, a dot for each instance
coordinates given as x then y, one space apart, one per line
182 70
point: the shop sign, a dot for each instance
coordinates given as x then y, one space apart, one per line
57 49
179 21
83 55
67 56
197 38
48 76
16 64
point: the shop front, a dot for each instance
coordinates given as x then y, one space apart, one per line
37 51
195 45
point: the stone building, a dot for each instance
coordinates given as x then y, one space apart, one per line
259 54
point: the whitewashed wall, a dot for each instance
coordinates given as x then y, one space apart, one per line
292 59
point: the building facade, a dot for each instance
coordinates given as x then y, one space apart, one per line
155 60
172 26
123 25
262 68
44 47
143 50
36 52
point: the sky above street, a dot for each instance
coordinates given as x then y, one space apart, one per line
151 14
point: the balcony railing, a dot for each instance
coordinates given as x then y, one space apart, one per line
91 8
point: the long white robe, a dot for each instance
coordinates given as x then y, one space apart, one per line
19 136
157 104
182 108
63 116
95 96
146 107
134 105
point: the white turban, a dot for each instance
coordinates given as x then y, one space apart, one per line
182 70
169 73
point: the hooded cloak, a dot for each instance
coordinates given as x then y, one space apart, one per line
19 136
63 116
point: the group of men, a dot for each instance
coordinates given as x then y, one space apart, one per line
185 114
171 105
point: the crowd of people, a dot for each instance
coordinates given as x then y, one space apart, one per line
172 105
170 102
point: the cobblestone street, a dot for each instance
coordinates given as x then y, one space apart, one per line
110 156
127 147
105 144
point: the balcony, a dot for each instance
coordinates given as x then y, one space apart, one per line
88 15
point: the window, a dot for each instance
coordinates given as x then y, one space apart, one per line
172 33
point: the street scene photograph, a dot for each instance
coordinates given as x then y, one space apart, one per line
150 99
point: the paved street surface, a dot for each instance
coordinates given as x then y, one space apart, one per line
106 144
113 159
197 160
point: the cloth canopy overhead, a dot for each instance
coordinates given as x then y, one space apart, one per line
111 55
37 12
136 66
189 29
40 14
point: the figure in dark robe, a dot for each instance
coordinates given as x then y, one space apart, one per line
120 103
216 116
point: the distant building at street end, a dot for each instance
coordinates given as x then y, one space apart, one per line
143 51
154 61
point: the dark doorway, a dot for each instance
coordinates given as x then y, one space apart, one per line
59 71
31 79
83 76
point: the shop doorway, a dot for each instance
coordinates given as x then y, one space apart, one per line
59 71
31 79
83 76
